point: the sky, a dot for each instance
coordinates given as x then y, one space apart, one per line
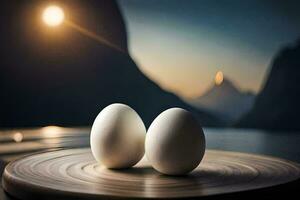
182 44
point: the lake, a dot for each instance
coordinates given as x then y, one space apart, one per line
279 144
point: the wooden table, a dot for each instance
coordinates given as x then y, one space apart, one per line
17 143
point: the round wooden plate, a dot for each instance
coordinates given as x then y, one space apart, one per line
74 174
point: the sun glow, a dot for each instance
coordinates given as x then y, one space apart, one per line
219 78
53 16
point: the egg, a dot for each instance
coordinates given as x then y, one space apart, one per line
175 142
117 137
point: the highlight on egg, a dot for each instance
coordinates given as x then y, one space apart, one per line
117 137
175 142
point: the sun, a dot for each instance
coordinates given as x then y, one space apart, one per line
53 16
219 78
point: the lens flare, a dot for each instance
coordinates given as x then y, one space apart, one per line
53 16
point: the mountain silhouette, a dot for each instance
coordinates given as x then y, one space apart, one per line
57 76
277 106
225 100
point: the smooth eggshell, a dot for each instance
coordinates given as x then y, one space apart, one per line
117 137
175 142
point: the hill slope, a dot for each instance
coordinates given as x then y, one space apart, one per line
277 106
61 77
226 101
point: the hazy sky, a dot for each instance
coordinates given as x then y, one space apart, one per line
181 44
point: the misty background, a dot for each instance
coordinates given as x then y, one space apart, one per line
232 63
182 45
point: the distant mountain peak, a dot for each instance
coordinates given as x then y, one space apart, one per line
224 99
222 81
222 85
226 83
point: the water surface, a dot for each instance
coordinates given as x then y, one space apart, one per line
279 144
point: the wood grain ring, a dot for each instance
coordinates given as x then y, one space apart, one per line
74 174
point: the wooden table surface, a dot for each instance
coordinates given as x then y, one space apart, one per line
17 143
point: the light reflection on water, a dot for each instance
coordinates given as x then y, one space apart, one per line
280 144
52 131
17 137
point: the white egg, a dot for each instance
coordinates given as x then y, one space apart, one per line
175 142
117 137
